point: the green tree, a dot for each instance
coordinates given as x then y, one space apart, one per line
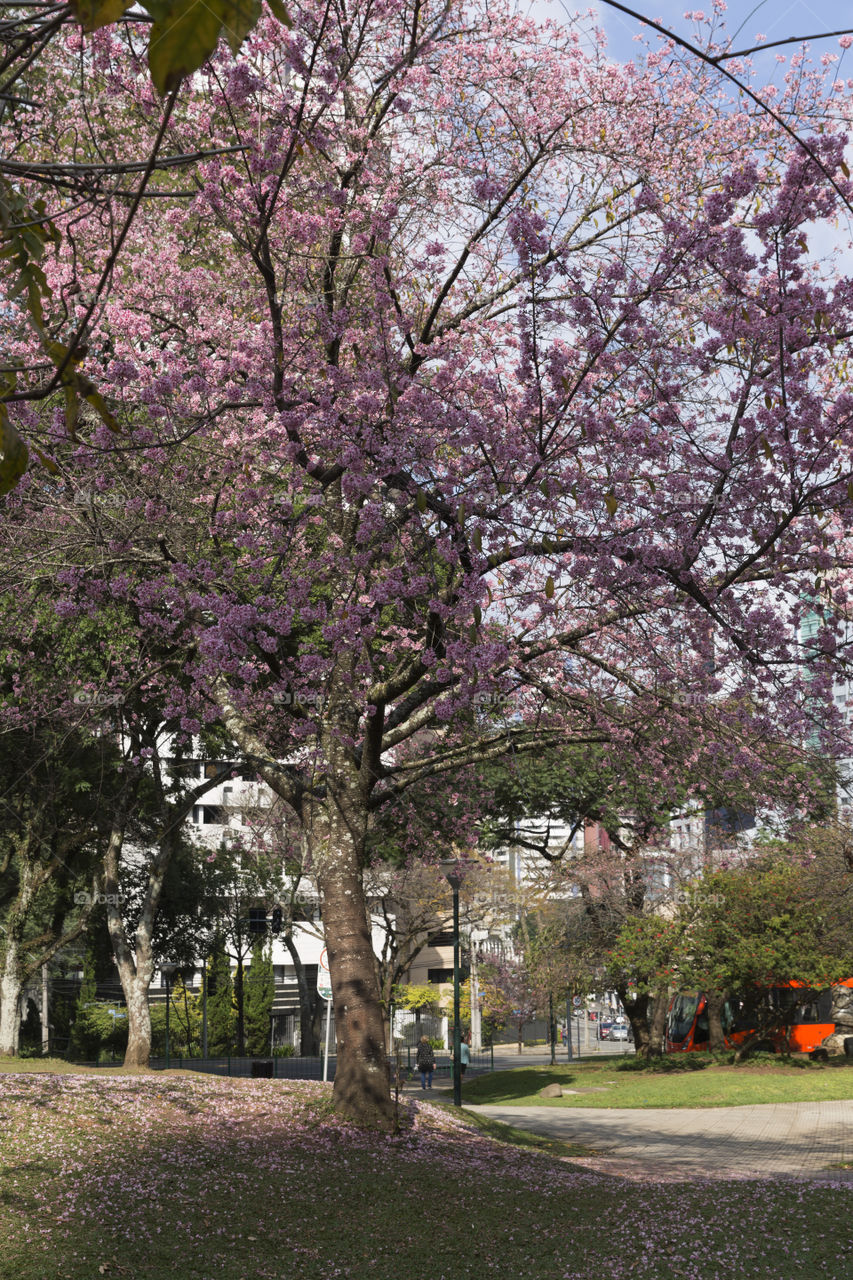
84 1041
751 928
221 1019
259 996
643 964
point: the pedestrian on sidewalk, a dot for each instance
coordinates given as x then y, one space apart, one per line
425 1060
464 1054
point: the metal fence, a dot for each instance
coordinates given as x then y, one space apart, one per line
276 1068
479 1062
280 1068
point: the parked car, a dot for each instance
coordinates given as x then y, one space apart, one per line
620 1032
604 1030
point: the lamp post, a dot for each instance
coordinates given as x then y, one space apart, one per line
168 971
452 874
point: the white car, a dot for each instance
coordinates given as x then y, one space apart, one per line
620 1032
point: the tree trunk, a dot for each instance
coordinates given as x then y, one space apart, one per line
716 1039
10 1001
335 827
309 1036
638 1016
135 967
240 997
12 979
362 1089
138 1050
658 1022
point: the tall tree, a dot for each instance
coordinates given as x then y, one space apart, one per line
506 396
260 993
220 1001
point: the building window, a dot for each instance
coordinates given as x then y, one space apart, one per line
443 938
439 975
205 814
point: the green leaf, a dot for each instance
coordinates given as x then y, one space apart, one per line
549 588
93 397
92 14
278 10
182 39
612 503
420 500
240 17
14 454
768 451
46 462
477 540
478 615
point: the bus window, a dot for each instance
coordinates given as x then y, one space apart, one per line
702 1032
681 1016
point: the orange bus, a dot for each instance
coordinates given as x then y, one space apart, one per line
797 1019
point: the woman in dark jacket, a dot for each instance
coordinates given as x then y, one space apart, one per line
425 1062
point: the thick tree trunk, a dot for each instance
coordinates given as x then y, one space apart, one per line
138 1050
716 1039
362 1089
12 977
335 827
658 1022
638 1016
10 1001
135 966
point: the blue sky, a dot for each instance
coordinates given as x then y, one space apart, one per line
771 18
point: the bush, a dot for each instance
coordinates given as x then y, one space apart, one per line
669 1063
100 1031
284 1051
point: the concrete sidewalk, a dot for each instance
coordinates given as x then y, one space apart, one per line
790 1139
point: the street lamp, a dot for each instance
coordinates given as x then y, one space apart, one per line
450 868
168 971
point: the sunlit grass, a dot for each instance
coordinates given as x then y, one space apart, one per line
713 1086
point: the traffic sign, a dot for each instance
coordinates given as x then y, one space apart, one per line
324 978
577 1002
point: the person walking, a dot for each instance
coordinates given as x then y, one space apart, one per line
464 1055
425 1060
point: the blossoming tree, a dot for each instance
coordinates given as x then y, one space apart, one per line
488 395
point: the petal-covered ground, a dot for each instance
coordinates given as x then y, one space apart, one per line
198 1178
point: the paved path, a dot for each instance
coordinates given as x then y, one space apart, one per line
799 1139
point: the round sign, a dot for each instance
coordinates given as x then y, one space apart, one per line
324 978
576 1001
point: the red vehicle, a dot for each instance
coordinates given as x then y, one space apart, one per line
797 1019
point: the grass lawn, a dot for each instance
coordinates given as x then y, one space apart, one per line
180 1177
709 1086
